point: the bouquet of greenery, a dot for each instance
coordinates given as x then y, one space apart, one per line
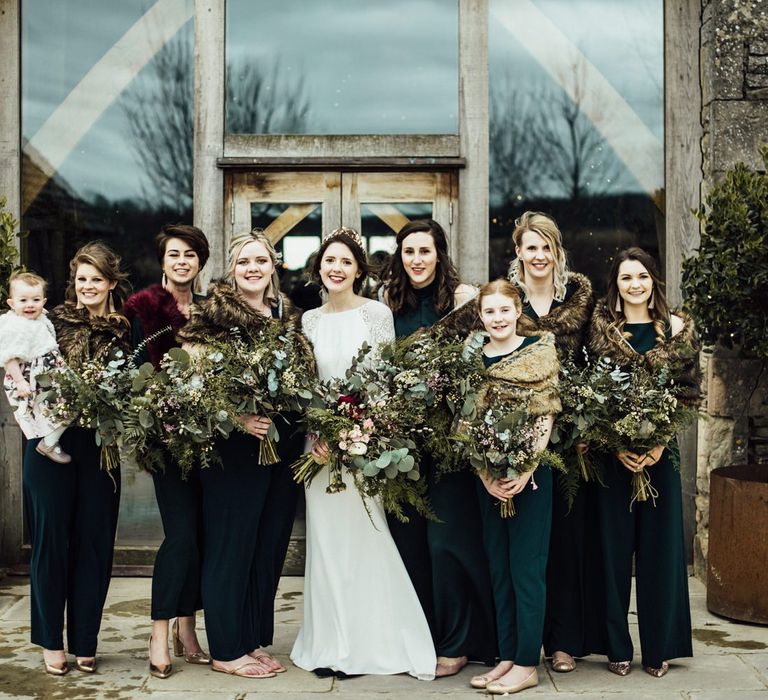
445 374
181 408
369 420
94 396
613 409
503 441
272 377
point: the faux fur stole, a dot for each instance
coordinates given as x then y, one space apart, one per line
460 321
24 338
678 354
156 311
567 321
528 375
82 337
223 310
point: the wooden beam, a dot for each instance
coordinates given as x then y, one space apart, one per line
390 215
373 164
472 215
11 508
208 180
288 219
683 177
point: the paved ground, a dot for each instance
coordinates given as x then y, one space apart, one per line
731 662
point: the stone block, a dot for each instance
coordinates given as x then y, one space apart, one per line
758 47
757 64
757 93
738 129
756 80
731 383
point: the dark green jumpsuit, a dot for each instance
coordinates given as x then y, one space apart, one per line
517 549
447 566
573 623
655 536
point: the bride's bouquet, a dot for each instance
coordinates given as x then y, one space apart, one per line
369 421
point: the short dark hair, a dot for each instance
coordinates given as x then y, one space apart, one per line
191 235
357 252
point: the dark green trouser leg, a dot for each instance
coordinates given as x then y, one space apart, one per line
234 498
655 535
275 534
574 621
71 512
464 613
517 551
176 576
411 541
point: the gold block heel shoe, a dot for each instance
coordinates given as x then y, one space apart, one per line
198 657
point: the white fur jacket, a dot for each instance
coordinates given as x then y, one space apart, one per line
24 338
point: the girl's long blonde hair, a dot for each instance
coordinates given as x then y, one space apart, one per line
546 227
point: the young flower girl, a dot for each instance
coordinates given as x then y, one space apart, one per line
28 348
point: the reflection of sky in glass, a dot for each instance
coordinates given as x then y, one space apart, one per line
365 66
623 41
61 42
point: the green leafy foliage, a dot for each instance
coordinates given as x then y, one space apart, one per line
726 283
9 255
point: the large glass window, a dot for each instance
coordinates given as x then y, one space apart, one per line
342 67
107 117
577 125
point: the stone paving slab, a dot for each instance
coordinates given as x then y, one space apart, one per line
731 661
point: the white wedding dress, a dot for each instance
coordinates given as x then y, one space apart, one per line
361 613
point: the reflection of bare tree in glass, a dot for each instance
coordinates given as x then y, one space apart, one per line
516 169
264 102
159 110
542 143
577 158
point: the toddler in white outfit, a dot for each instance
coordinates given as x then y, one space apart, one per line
28 348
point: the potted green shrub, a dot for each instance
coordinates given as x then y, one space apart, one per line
9 255
726 289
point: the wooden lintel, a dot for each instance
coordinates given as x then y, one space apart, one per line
342 164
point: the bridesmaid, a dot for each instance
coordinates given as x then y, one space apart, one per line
560 302
156 314
248 508
448 570
520 369
72 510
633 323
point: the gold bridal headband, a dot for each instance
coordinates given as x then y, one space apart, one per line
345 231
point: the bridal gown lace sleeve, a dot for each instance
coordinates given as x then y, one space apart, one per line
361 613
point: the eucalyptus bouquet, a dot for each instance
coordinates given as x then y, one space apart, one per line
614 409
370 420
273 376
445 376
503 441
94 396
181 409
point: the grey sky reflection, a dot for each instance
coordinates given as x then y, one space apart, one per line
368 62
368 66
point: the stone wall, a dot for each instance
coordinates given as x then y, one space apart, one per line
734 80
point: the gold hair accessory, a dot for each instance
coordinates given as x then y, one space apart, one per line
345 231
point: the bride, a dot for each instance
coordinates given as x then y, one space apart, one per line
361 613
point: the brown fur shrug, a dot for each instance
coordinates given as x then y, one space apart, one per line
679 354
223 310
528 375
83 337
460 322
568 321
